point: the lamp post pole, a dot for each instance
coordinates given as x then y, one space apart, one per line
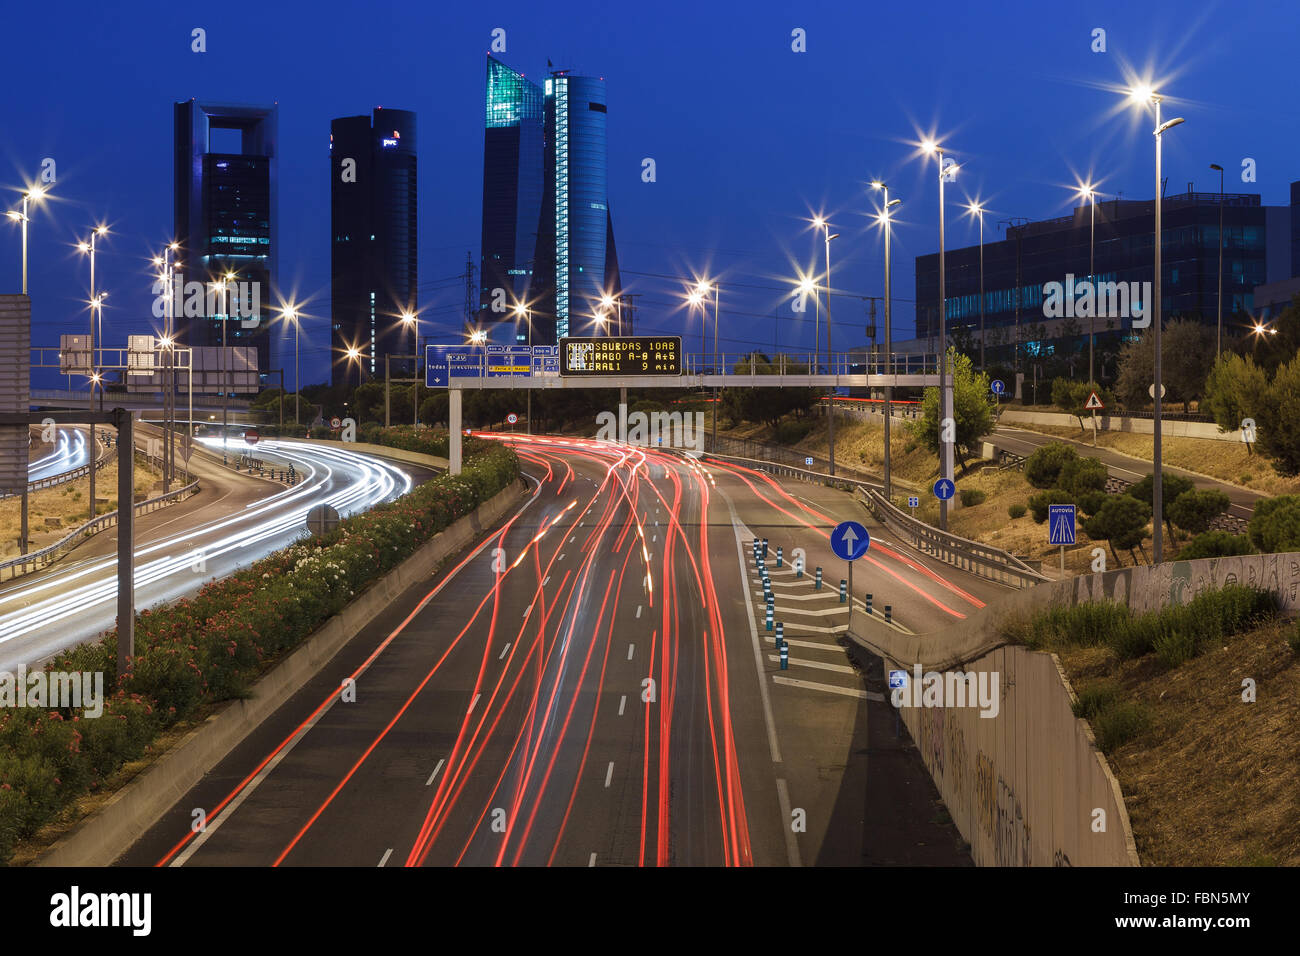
830 405
1218 337
889 342
717 293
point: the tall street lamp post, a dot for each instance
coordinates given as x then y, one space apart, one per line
945 392
1218 337
830 405
889 343
30 195
977 210
88 248
522 311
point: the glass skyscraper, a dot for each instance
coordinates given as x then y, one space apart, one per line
374 249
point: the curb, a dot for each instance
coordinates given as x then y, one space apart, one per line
105 835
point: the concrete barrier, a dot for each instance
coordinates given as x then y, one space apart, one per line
1025 787
1118 423
107 833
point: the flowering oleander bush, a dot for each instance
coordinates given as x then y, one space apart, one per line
211 647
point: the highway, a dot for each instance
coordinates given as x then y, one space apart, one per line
69 452
593 685
232 522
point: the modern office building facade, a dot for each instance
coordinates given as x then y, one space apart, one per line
513 153
1034 254
374 273
548 234
225 220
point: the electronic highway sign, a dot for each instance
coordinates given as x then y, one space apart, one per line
621 355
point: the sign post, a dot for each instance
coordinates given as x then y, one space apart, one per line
1060 528
850 541
1093 403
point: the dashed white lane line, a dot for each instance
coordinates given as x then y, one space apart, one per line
546 580
791 845
472 703
562 555
592 861
622 702
609 773
818 665
815 645
630 649
503 651
828 688
638 610
429 782
387 853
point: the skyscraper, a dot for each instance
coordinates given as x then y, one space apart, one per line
548 237
373 249
225 219
512 190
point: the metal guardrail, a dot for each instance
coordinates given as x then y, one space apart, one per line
982 559
804 474
36 560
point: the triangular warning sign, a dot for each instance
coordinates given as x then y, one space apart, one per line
1093 401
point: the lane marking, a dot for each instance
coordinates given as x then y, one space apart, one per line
622 702
561 558
791 844
815 645
435 772
387 853
828 688
546 580
630 649
472 703
818 665
592 861
609 773
638 611
503 651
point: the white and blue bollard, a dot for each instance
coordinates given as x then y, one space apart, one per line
780 556
818 585
769 617
844 590
869 602
765 547
798 568
785 657
889 614
780 633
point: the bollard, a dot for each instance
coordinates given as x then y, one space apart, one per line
869 611
780 634
765 547
844 590
818 585
785 657
769 618
798 569
889 614
780 556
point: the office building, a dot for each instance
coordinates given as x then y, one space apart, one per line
374 249
225 222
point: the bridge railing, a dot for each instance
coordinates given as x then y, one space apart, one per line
72 475
36 560
982 559
784 470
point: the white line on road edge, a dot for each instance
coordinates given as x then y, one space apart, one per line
753 633
472 703
638 611
609 773
622 702
246 792
387 854
429 782
828 688
791 844
503 650
630 649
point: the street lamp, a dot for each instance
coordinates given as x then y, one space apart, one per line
1144 94
413 320
1088 191
611 303
830 405
930 147
32 194
977 211
522 311
290 313
168 277
226 279
96 301
1218 337
889 358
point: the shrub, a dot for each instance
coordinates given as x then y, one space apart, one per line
1275 525
1016 511
972 496
1095 698
1118 724
1293 637
1090 502
1079 476
1194 510
1039 503
1171 488
1215 544
1087 624
1043 467
792 430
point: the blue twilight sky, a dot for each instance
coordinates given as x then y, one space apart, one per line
748 136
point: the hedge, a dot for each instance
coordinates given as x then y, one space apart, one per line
210 647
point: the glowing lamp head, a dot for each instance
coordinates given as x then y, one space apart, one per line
877 184
83 246
157 260
15 216
607 302
1141 93
929 146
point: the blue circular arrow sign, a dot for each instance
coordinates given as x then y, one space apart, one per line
850 540
998 386
944 489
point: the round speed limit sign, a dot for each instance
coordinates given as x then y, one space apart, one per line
512 418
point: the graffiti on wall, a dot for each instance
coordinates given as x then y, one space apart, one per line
932 742
1145 588
1001 816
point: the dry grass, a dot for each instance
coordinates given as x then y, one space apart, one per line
1213 781
68 504
1224 460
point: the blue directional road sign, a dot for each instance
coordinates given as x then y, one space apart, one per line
808 461
443 362
850 540
944 489
1060 524
998 386
913 501
507 361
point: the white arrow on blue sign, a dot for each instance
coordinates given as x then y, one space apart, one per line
1060 524
998 386
850 540
943 489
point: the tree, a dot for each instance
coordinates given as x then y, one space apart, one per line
1194 510
1215 544
1234 391
1079 476
766 405
973 418
1275 525
1136 372
1040 503
1043 466
1278 419
1188 350
1121 522
1172 487
1272 348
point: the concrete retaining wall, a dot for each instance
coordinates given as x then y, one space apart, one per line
1023 787
1116 423
102 837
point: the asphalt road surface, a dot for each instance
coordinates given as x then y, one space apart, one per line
234 520
593 684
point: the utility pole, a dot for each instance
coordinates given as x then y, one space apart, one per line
469 292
